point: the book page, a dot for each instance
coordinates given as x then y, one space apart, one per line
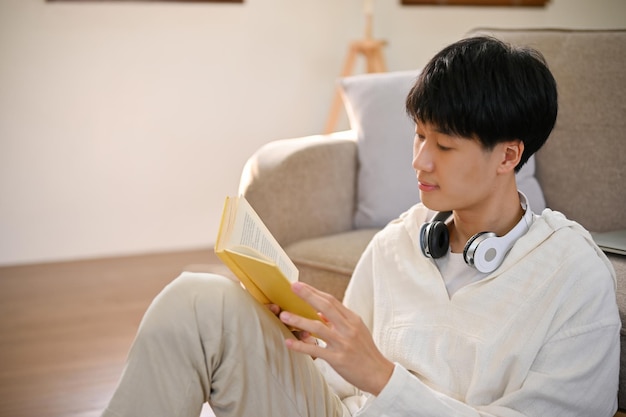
251 232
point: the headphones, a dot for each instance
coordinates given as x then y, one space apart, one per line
485 251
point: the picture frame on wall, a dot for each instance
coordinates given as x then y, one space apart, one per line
529 3
147 1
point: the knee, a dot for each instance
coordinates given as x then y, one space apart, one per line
203 290
181 299
201 283
205 302
215 299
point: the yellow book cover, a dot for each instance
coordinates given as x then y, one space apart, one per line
250 251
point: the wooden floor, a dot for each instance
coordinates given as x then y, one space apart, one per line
65 328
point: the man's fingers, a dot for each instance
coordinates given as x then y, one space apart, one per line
313 327
312 350
328 307
275 309
304 336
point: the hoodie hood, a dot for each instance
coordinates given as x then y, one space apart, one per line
543 229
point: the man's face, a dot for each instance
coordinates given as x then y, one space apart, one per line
454 173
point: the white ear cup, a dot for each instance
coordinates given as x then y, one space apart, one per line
485 251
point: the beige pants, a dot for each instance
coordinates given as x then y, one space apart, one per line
205 339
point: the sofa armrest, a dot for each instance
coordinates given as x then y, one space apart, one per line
303 187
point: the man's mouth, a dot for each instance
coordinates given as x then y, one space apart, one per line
426 186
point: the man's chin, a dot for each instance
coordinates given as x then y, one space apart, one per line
433 203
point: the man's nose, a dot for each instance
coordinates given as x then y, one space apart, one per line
422 160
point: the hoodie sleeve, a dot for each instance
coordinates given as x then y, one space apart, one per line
574 377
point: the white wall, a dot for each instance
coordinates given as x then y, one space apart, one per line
417 33
124 125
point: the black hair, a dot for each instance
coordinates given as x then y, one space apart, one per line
485 88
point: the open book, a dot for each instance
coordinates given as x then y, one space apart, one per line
248 248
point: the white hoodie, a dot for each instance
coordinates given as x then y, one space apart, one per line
537 337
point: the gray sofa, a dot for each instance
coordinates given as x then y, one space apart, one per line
311 191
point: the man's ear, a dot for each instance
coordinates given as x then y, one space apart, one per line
511 155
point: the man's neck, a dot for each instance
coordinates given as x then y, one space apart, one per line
499 215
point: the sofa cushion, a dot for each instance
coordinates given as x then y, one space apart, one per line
328 261
386 182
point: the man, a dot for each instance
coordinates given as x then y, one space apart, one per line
526 327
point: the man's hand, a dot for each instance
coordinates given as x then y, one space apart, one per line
350 349
302 335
